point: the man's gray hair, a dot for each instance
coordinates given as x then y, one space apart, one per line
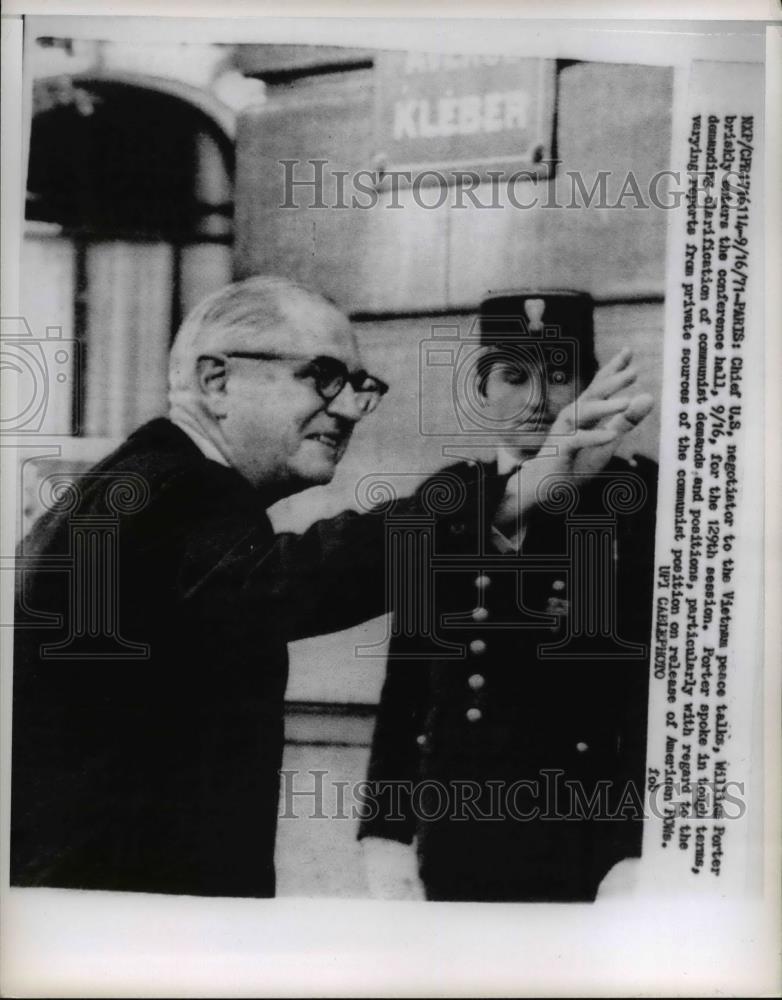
231 318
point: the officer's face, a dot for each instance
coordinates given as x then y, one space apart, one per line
282 434
522 397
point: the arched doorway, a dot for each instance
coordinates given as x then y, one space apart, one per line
129 223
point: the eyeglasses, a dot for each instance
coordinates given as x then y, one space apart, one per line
329 376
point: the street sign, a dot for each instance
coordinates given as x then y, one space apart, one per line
440 114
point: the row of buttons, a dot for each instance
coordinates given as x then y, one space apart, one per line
474 714
483 581
478 647
481 613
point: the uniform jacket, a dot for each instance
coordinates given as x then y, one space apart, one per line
153 610
517 688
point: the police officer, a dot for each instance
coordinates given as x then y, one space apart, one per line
510 739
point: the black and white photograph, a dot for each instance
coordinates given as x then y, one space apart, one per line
383 529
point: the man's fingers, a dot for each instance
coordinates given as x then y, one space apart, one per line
640 407
620 360
613 371
587 413
607 386
593 438
592 458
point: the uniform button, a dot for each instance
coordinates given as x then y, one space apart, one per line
582 747
477 647
482 581
476 681
480 614
558 585
421 740
474 714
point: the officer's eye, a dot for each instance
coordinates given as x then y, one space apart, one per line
514 374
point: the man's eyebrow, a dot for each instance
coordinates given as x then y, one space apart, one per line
330 359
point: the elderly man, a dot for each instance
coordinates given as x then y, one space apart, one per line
155 603
510 742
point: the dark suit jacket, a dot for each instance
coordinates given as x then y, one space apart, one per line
546 684
154 607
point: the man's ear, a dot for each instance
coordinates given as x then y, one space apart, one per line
212 381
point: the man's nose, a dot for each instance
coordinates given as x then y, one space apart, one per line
346 405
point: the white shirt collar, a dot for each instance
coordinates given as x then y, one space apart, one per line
208 448
507 461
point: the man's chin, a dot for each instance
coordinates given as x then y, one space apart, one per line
315 463
315 473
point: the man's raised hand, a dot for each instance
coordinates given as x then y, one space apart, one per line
582 439
617 376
